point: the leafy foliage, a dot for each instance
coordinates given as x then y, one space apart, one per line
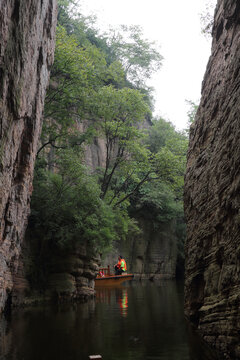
156 201
120 113
140 58
160 199
102 80
67 208
170 149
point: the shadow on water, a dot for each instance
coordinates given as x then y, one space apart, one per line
138 321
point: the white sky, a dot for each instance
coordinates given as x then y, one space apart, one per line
176 27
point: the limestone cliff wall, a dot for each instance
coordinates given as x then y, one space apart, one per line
150 255
72 275
95 153
27 29
212 192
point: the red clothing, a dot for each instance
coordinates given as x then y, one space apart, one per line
119 263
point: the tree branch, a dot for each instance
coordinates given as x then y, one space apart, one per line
134 190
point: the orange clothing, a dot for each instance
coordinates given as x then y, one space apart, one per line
119 263
123 265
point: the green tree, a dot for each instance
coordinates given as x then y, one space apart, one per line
160 200
139 57
76 76
120 112
170 149
67 209
102 80
162 194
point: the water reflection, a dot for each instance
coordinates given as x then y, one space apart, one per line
123 302
139 321
119 295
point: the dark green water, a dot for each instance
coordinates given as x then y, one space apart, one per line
138 321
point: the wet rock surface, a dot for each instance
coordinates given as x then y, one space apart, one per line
212 193
27 31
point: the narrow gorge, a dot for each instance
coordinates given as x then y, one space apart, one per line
60 254
104 177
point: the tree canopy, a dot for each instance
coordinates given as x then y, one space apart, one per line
101 80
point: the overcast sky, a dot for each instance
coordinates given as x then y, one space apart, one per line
176 27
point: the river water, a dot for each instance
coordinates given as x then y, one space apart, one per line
138 321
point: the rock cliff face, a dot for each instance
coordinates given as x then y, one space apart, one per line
212 192
26 53
150 255
47 273
72 275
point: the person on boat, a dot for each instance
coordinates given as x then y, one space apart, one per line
121 266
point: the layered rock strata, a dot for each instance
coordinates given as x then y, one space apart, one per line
212 192
72 277
54 276
27 31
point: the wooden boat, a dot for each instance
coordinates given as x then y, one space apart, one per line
104 278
